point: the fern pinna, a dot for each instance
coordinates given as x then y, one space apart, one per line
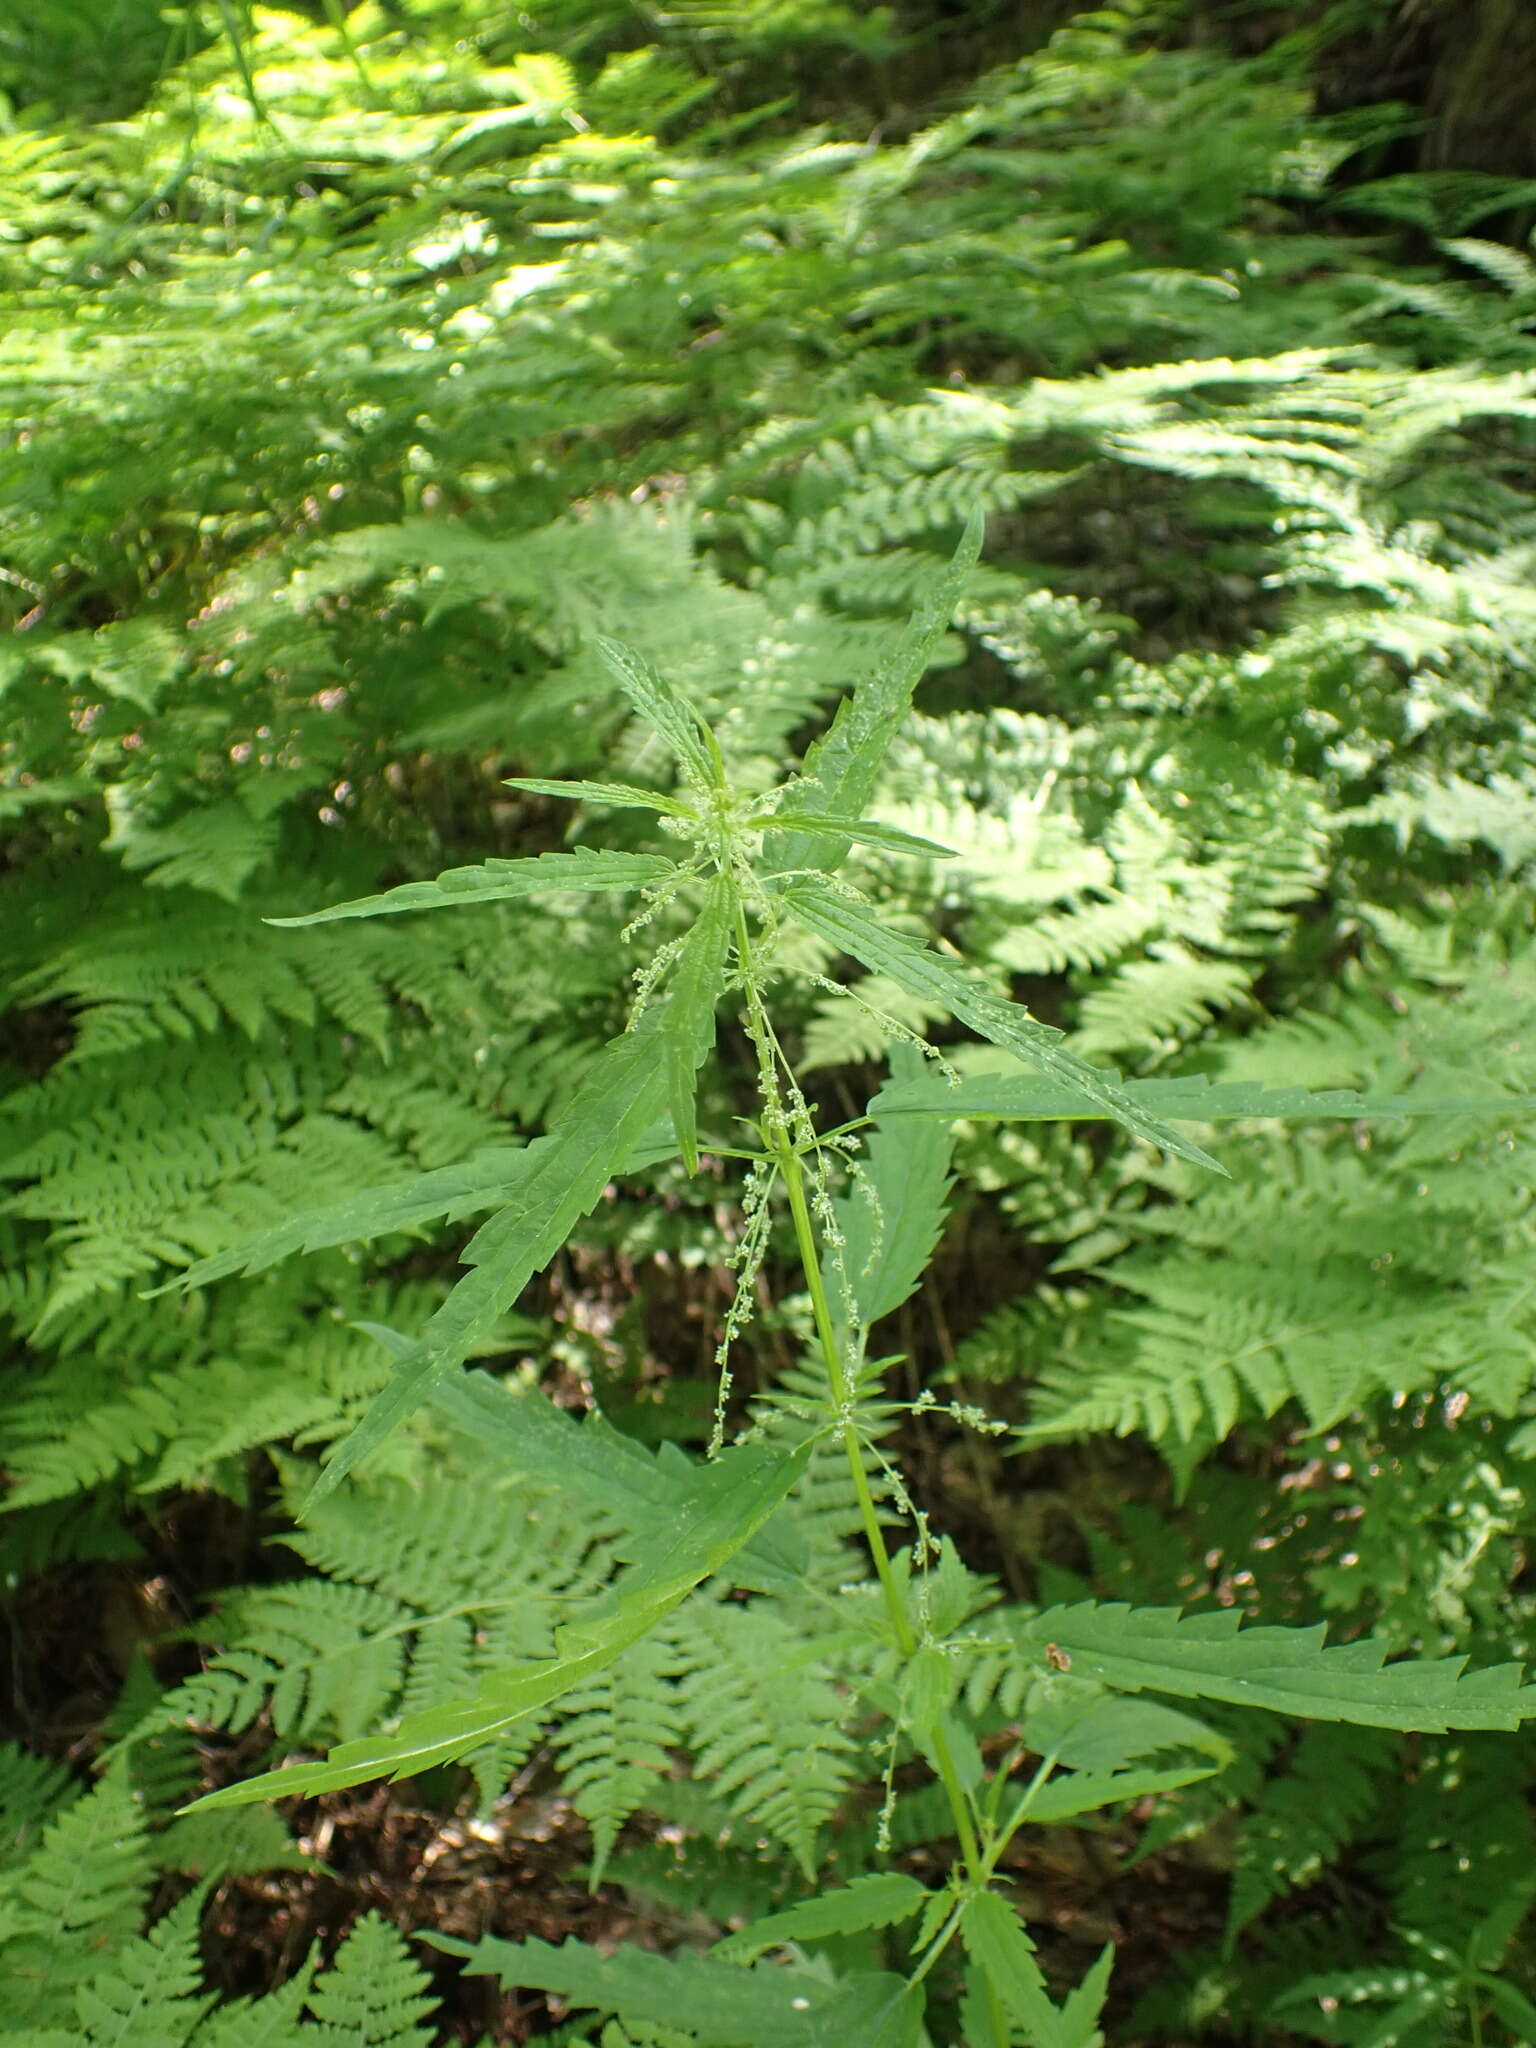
638 1608
75 1967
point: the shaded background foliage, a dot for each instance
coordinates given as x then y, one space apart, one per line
359 365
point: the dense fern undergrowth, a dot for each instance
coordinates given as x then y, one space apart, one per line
994 1224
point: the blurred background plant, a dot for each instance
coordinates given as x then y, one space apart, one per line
361 364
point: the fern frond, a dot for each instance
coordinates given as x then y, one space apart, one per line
616 1736
373 1990
424 1592
1456 1814
1162 999
765 1722
177 1427
1304 1816
273 2021
31 1788
694 1871
151 1991
1197 1358
716 1510
81 1891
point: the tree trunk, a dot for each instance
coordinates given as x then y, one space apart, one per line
1482 95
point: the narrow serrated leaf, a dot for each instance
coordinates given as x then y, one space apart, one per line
592 1463
1004 1954
1083 2007
688 1019
1193 1098
882 1899
890 1219
841 769
707 1521
1512 2006
661 708
922 972
1079 1792
620 795
493 880
1288 1670
444 1195
1088 1729
722 2005
563 1176
864 831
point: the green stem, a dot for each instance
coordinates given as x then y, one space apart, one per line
939 1943
1020 1814
776 1131
837 1374
805 1237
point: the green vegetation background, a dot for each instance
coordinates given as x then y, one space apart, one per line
360 366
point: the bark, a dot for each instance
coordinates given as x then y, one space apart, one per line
1482 93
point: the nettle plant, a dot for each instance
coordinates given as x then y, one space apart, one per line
700 1584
